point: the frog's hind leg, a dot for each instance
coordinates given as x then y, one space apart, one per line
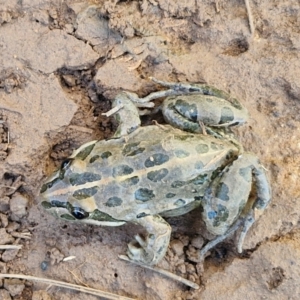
226 204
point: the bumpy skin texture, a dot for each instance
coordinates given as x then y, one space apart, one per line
145 173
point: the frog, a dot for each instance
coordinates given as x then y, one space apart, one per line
144 174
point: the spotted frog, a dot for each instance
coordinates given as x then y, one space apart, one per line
143 174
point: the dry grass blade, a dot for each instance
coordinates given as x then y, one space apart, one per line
164 272
250 18
10 247
62 284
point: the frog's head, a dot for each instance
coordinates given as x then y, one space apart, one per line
70 192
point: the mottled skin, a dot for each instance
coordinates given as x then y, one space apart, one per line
145 173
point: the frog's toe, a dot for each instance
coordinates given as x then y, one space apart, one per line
135 252
141 241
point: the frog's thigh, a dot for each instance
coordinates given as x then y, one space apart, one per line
156 242
229 193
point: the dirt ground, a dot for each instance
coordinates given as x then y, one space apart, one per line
62 62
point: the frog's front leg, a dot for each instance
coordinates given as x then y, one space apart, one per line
151 249
226 204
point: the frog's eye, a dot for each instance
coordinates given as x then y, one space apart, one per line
79 213
66 164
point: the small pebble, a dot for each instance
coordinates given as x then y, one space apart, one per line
14 286
70 80
40 295
4 220
4 295
4 204
197 242
177 247
181 268
3 268
18 205
44 265
5 238
190 268
9 255
55 256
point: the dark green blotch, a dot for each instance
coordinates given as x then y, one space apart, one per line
186 109
156 160
221 216
236 103
46 205
214 146
226 115
202 148
106 155
101 216
199 180
170 195
260 203
222 192
94 158
178 183
67 217
141 215
49 185
198 198
85 193
132 149
129 181
144 194
199 165
217 172
246 173
44 187
85 152
82 178
121 170
113 202
61 174
159 251
157 175
179 202
56 203
181 153
184 137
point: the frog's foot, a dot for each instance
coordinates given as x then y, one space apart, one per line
226 204
152 249
200 256
140 250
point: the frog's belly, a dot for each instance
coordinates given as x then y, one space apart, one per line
155 170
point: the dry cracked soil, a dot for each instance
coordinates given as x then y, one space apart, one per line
61 64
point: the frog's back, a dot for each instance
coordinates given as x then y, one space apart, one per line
154 170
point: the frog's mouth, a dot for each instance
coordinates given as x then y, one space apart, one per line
66 211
